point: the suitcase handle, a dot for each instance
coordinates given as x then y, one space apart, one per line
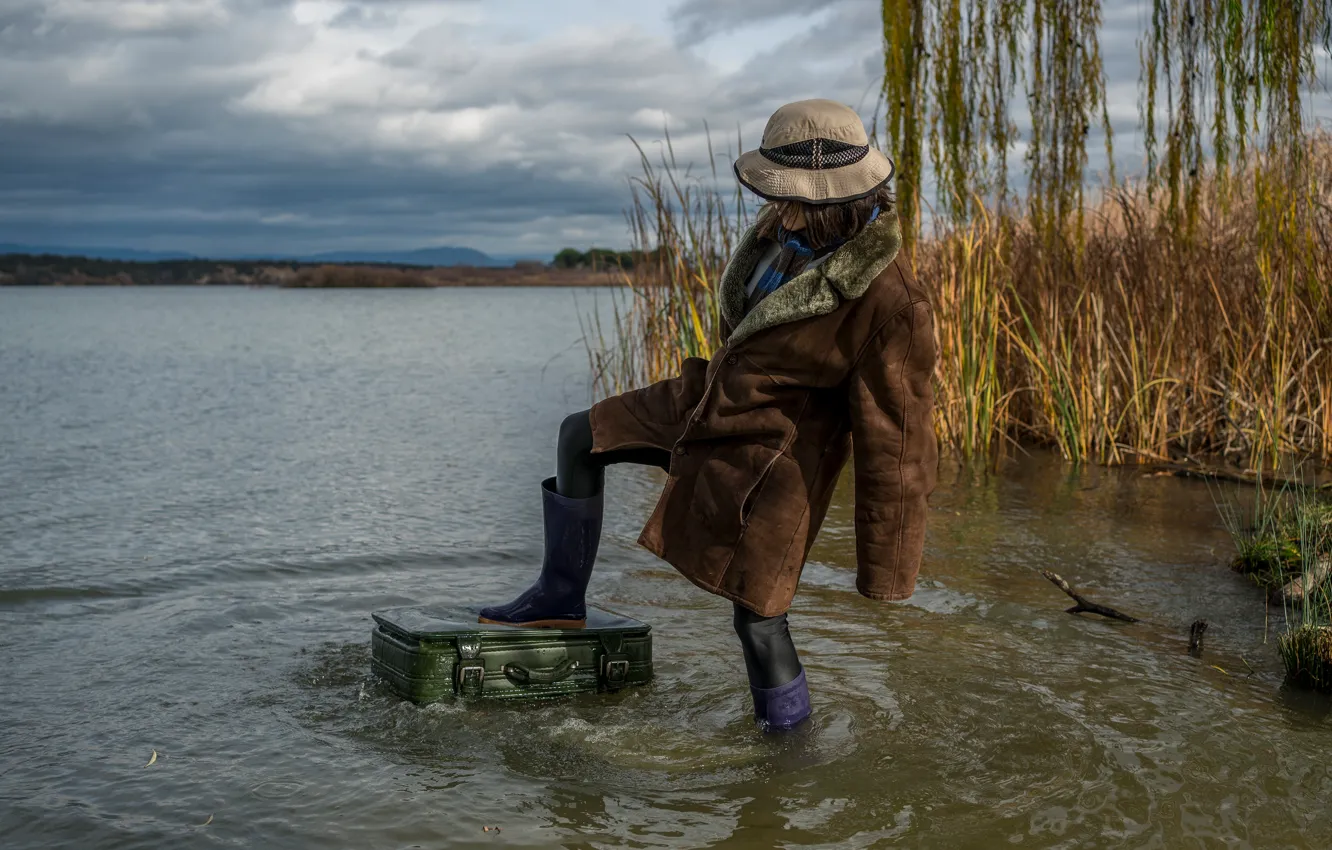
519 674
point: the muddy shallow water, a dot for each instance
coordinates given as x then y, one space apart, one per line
204 493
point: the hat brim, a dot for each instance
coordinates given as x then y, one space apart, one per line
775 182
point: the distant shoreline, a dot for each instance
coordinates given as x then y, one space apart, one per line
54 270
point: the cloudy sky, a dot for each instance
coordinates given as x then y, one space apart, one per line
244 126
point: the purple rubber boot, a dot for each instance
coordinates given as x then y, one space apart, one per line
556 600
783 706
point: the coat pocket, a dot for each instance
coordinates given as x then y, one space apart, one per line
756 489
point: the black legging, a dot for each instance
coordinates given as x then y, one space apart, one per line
578 473
770 656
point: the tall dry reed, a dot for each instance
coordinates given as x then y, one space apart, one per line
1137 347
684 230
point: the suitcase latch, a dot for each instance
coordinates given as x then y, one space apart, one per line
469 677
615 670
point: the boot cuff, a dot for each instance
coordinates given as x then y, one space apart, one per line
783 706
588 508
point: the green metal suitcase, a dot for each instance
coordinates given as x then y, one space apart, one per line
427 655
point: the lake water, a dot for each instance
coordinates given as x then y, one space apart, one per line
205 492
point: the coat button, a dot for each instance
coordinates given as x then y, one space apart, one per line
732 359
679 450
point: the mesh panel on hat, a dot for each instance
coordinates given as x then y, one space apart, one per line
816 154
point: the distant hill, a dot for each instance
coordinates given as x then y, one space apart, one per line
442 256
445 255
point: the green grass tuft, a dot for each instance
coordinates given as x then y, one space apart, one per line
1307 653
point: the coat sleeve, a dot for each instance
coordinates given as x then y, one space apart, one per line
655 415
895 452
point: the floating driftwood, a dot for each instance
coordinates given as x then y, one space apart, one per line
1267 479
1085 605
1295 589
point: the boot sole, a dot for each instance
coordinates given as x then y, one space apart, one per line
538 624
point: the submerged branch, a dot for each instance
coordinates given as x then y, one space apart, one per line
1196 632
1084 604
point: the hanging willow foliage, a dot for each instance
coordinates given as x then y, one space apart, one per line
1066 88
1257 53
952 65
964 54
904 95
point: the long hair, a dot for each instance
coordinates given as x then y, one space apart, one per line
827 223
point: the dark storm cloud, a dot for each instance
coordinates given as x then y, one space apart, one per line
267 197
362 16
696 20
845 48
378 13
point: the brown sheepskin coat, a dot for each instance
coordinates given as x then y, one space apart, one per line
835 363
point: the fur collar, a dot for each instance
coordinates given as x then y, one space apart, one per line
846 274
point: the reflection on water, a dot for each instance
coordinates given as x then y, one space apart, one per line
207 492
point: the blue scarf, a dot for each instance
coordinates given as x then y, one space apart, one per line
795 254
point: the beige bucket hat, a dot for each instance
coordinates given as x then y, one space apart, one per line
814 151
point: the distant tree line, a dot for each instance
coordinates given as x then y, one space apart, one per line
56 270
60 270
358 277
598 259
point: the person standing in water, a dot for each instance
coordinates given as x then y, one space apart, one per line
828 353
